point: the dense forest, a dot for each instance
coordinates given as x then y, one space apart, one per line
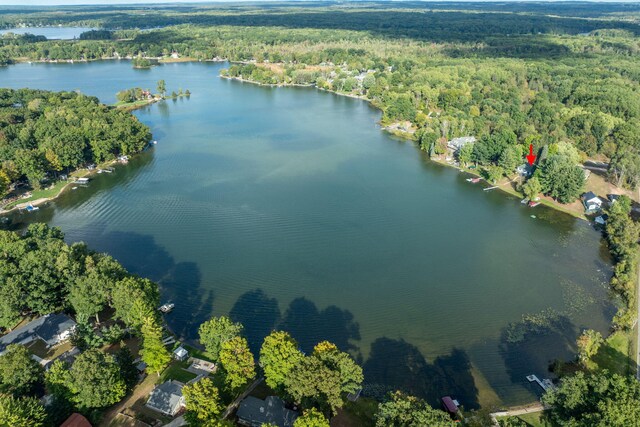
43 133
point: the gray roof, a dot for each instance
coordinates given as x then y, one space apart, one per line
47 328
269 411
167 397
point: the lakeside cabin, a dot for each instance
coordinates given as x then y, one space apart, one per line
591 202
451 406
457 143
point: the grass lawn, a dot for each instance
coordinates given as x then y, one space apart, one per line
198 354
616 354
40 194
356 414
535 419
176 371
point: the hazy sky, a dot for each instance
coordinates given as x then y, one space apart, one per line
110 2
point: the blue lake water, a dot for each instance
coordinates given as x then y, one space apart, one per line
290 208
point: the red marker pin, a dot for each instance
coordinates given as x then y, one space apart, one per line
531 158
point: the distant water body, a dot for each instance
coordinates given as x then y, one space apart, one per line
51 33
290 208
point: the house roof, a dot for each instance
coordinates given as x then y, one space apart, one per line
180 352
46 328
76 420
268 411
166 397
52 326
588 196
449 404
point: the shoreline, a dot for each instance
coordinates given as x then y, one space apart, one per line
408 137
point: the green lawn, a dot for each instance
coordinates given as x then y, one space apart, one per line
535 419
40 194
614 355
176 371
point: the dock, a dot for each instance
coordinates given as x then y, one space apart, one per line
545 384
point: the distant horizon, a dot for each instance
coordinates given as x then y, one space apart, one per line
5 3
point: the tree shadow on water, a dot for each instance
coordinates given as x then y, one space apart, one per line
531 345
309 326
399 365
180 283
258 313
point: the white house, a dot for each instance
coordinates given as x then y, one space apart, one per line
167 398
591 202
52 329
457 143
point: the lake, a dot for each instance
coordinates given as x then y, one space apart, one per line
52 33
290 208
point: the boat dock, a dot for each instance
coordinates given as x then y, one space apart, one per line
545 384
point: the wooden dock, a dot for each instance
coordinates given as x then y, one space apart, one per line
545 384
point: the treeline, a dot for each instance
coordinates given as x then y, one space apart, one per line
41 274
622 235
43 133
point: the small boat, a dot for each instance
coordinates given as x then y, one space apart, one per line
475 180
31 208
82 181
533 216
524 201
469 179
108 170
533 204
74 188
166 308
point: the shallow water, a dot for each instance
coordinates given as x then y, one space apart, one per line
290 208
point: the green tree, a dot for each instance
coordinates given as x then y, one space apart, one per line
311 418
312 383
278 355
532 188
21 412
88 297
465 154
162 87
351 376
561 179
134 299
599 399
237 361
202 402
588 344
215 332
19 374
96 381
401 410
128 370
154 353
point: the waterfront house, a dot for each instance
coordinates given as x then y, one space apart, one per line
457 143
591 202
602 219
53 329
167 398
256 412
524 169
180 354
450 405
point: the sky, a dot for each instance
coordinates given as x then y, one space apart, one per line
113 2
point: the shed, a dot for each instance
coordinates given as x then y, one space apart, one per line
180 353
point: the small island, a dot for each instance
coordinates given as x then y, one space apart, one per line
134 98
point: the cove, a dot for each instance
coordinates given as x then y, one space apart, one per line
289 208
